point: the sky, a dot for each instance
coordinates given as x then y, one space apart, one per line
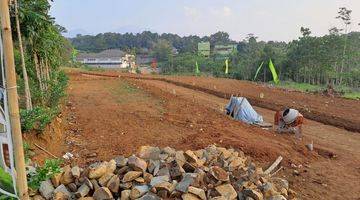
277 20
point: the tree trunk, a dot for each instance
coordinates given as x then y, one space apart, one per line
47 69
38 74
43 75
343 57
23 66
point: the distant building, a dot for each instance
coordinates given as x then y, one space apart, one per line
111 58
204 49
224 50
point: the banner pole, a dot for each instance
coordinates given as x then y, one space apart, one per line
11 86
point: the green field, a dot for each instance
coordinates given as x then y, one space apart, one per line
350 93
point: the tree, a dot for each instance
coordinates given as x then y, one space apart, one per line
162 50
305 31
345 16
23 65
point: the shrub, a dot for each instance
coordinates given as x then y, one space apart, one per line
50 168
37 118
57 89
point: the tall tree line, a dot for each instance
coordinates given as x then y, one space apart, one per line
39 50
332 58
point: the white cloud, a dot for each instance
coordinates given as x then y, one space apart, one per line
221 12
193 13
227 11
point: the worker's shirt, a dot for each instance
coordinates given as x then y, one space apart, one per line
278 120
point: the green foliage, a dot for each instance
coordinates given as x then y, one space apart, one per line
352 95
27 150
56 90
37 118
50 168
6 181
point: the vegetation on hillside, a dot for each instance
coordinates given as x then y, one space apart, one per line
40 50
333 58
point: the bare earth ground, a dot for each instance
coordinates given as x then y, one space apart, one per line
333 111
107 117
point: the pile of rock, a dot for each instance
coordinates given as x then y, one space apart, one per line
154 173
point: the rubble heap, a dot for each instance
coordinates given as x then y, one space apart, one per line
154 173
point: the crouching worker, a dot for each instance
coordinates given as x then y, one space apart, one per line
289 121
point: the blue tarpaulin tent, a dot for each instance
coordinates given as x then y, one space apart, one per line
240 109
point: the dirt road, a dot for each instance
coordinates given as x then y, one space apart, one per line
107 117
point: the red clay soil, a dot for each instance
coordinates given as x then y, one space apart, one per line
338 111
320 176
106 117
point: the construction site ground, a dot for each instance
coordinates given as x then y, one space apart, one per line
108 116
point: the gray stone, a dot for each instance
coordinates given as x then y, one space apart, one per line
67 176
159 179
137 164
189 196
175 171
219 173
75 171
130 176
46 189
180 158
139 191
148 152
154 166
105 179
125 195
64 190
163 172
170 151
114 184
102 193
121 161
97 171
253 194
227 191
150 196
184 184
277 197
198 192
72 187
82 191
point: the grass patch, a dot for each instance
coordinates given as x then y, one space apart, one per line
352 95
304 87
126 93
349 93
92 69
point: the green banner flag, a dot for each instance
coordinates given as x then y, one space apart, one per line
226 66
258 70
197 70
273 71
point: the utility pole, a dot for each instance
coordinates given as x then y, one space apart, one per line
11 89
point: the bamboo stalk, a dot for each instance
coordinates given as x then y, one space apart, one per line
46 151
21 181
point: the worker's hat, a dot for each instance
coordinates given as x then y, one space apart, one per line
290 115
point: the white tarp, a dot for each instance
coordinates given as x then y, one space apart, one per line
240 109
7 169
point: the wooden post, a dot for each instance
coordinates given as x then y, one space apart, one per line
11 86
